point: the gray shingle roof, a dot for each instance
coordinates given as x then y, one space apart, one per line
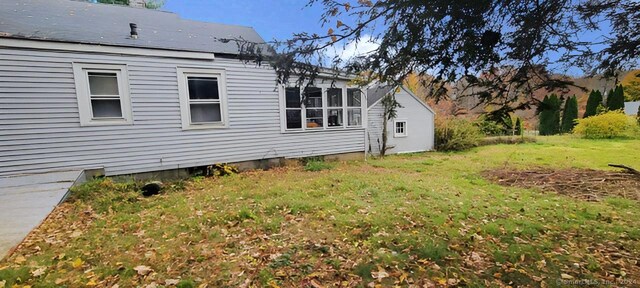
375 92
82 22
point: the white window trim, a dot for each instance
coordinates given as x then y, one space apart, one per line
183 91
395 131
80 74
325 108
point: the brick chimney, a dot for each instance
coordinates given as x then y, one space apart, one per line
137 3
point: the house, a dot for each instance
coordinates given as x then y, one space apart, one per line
412 130
129 90
631 108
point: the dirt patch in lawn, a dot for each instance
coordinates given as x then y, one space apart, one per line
584 184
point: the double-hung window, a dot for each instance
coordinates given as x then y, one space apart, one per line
202 98
293 108
335 109
313 105
354 107
103 94
320 108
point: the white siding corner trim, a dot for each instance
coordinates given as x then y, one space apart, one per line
81 77
185 101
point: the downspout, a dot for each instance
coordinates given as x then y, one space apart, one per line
366 123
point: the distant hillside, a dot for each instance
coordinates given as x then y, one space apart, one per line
465 105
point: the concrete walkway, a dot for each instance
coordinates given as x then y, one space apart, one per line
26 200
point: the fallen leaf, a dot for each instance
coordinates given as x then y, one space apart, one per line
566 276
77 263
315 284
142 270
380 274
170 282
3 283
20 259
38 272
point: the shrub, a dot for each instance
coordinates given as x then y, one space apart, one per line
456 134
610 124
490 128
507 140
221 170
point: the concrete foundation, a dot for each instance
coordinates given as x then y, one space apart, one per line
261 164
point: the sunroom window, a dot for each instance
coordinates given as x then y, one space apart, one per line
322 108
313 104
335 108
293 108
354 107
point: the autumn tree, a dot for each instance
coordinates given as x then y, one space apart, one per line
569 114
631 84
594 100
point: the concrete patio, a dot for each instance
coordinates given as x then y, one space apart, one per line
26 200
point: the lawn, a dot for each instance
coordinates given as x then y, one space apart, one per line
427 219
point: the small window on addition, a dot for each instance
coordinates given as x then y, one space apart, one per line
400 128
103 94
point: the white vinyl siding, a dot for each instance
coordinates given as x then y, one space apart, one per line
40 130
411 131
102 91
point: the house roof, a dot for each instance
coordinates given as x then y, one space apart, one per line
90 23
376 92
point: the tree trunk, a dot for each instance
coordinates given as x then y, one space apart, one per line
383 150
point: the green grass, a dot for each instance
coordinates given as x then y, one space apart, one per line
424 217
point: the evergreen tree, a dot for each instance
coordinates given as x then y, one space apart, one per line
615 100
595 99
519 129
550 115
570 114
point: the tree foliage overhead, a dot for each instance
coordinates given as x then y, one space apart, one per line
503 49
